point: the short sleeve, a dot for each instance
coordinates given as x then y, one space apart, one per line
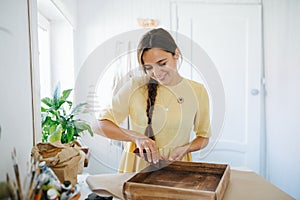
121 101
202 117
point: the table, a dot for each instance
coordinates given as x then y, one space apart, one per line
243 185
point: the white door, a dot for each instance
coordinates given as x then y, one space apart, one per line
231 36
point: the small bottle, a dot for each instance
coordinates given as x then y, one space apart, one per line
52 194
66 186
47 170
66 190
43 179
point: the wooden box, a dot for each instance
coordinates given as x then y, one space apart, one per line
179 180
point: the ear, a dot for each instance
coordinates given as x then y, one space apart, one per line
177 54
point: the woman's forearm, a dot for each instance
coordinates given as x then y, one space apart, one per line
197 144
142 142
112 131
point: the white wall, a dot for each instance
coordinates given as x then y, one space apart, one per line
60 16
62 63
15 87
100 20
69 10
282 62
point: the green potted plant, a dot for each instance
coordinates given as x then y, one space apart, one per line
60 119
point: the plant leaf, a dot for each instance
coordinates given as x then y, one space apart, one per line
58 120
77 108
70 104
56 95
64 97
64 139
56 135
82 126
90 130
70 134
47 121
63 121
47 101
66 94
43 109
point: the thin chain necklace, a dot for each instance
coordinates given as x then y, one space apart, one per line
165 99
166 104
180 99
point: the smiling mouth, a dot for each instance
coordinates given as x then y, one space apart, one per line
162 77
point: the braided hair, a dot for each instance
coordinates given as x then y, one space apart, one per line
152 92
155 38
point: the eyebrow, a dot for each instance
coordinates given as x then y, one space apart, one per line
161 60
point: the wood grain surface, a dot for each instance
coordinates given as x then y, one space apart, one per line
179 180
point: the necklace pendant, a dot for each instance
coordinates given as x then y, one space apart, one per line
180 100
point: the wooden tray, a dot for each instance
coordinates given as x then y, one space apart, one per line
179 180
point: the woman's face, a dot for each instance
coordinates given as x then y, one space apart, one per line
161 66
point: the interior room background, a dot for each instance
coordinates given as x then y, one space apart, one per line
72 29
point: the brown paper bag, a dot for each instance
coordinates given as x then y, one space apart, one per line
63 159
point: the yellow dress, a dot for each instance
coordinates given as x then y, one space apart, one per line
178 110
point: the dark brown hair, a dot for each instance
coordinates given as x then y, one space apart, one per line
155 38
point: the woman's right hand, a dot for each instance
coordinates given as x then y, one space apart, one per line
111 130
144 143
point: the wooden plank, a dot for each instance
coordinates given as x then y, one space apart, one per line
220 191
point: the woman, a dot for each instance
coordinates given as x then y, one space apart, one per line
163 108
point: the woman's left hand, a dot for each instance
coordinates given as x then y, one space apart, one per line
178 153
